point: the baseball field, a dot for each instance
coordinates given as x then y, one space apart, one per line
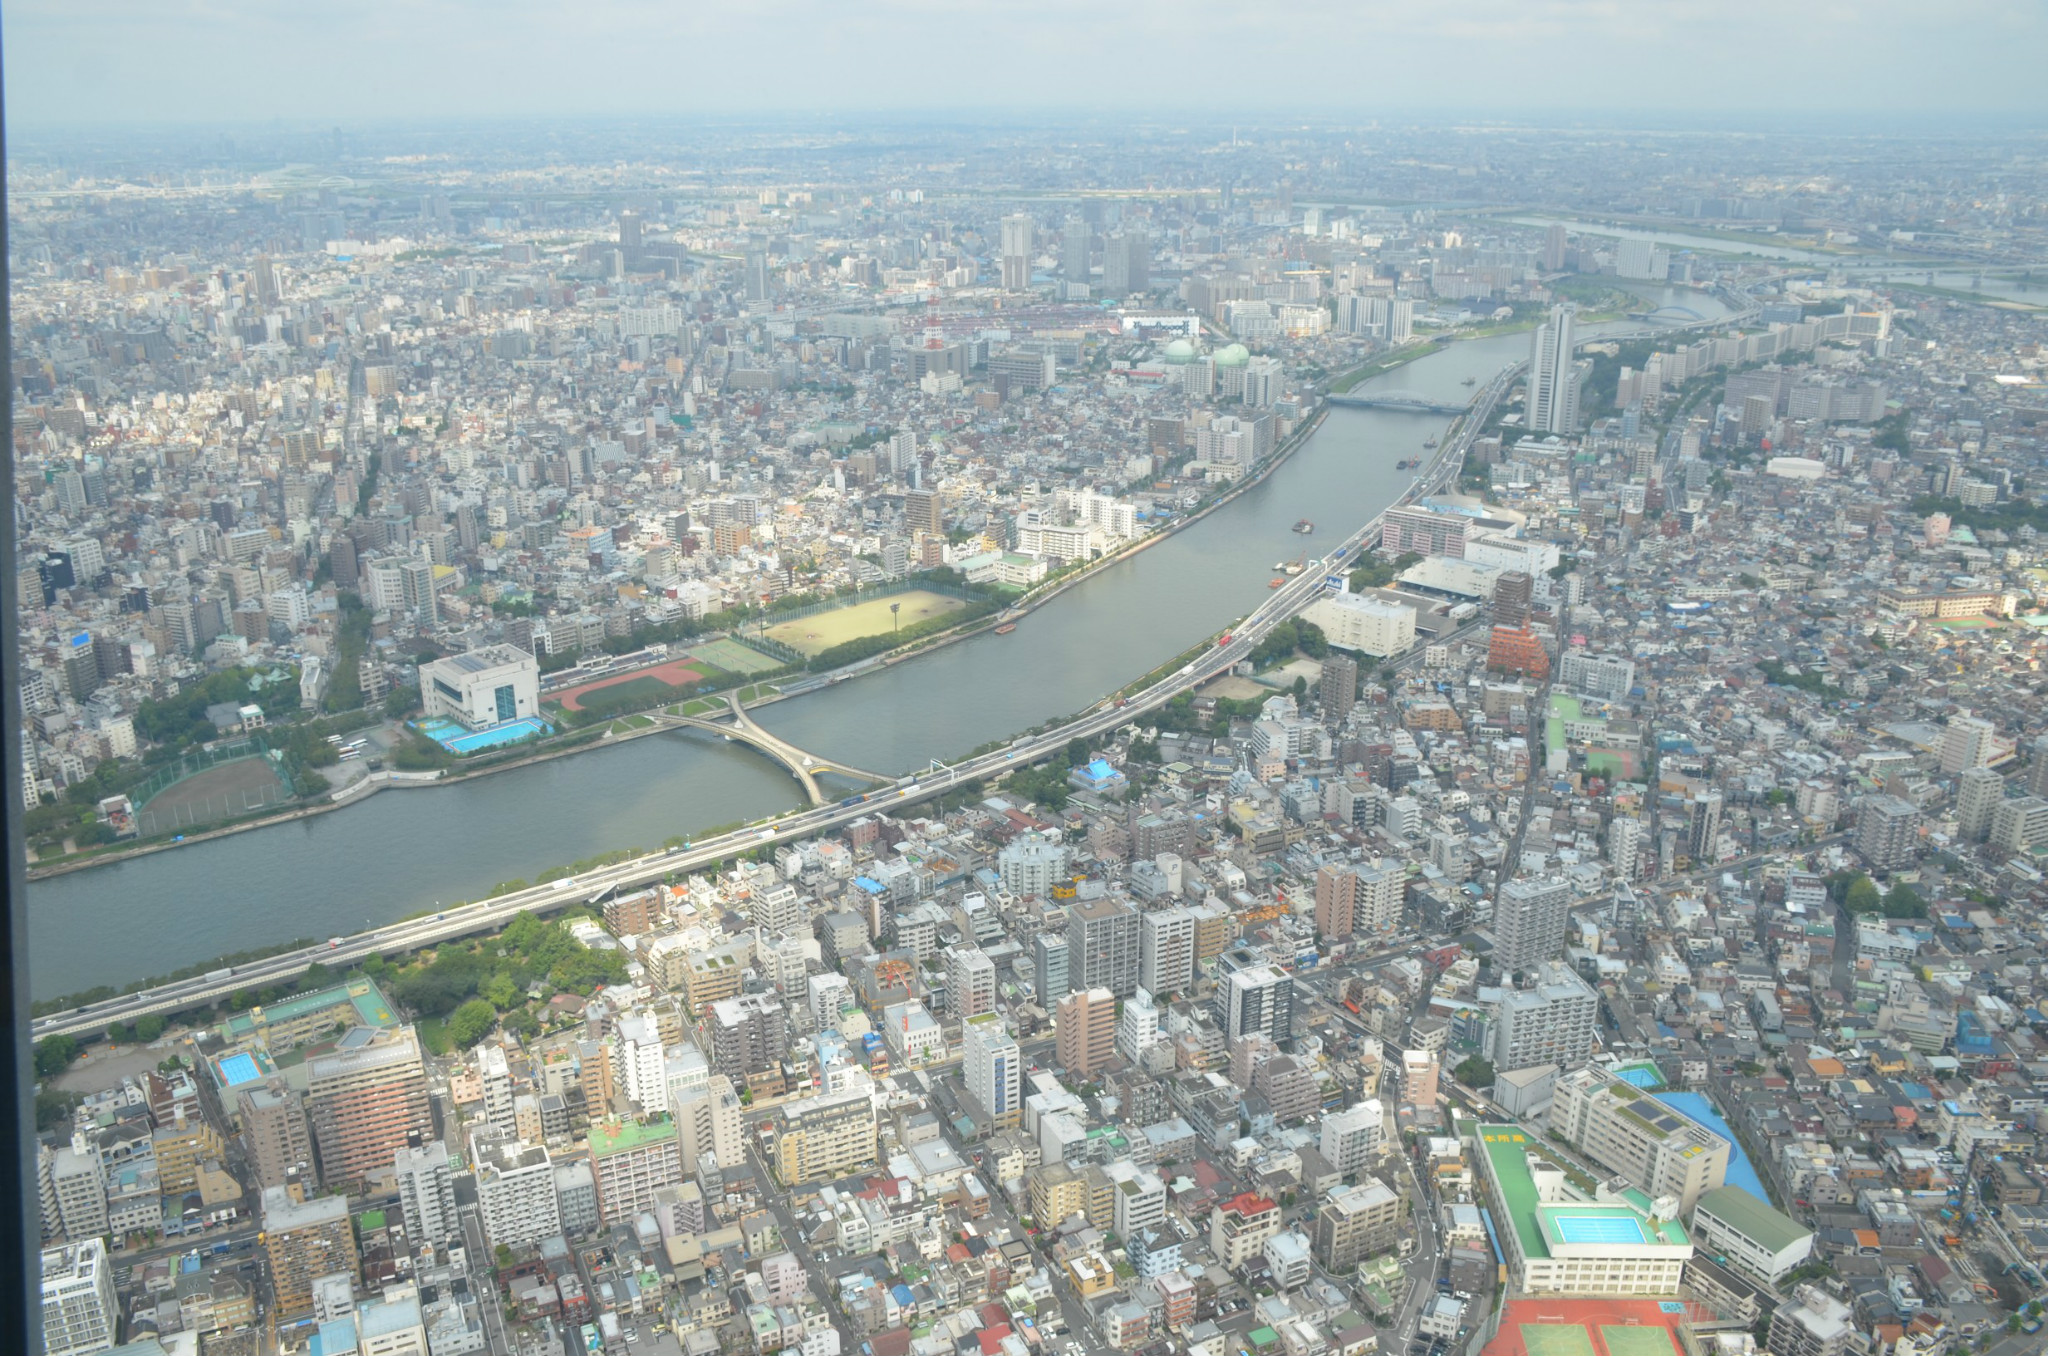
813 635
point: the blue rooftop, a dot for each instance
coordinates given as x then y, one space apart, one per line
1740 1172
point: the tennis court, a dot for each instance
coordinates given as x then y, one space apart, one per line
734 657
1597 1229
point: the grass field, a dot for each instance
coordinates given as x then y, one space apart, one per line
813 635
730 654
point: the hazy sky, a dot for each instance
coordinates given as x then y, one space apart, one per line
212 60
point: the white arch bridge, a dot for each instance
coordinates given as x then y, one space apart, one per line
802 764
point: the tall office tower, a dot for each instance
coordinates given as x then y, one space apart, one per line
1166 951
1553 405
1512 594
1049 955
80 1312
2037 768
825 1137
708 1124
1338 688
263 273
1398 323
1966 742
303 1241
1702 825
629 234
274 1129
1075 248
993 1068
1252 995
749 1034
921 513
1102 946
426 1192
1126 263
1016 254
1529 923
1887 831
970 981
1548 1021
1336 900
1382 892
495 1073
1085 1027
1553 248
757 274
1353 1137
639 1061
515 1190
365 1100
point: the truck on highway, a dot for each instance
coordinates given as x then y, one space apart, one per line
225 972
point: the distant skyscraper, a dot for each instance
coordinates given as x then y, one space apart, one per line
1075 248
1126 263
1016 254
757 274
1553 386
1553 248
629 234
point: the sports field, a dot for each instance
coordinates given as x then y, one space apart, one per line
730 654
218 792
813 635
674 674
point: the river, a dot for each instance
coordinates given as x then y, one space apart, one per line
402 851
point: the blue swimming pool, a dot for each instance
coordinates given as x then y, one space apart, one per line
238 1069
1643 1078
1599 1229
455 739
1740 1171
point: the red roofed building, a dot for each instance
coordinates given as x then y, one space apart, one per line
1240 1227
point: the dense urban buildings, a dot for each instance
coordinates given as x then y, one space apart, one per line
1617 876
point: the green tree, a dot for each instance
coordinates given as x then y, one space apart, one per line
500 991
54 1055
149 1026
1903 901
1077 752
1475 1072
471 1022
1862 896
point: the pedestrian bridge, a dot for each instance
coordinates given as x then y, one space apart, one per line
1414 402
741 728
